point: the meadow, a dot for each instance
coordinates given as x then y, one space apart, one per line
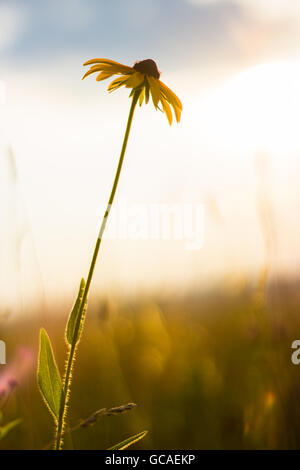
207 370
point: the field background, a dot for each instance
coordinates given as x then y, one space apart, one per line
207 370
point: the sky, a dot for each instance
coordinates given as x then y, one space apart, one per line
233 161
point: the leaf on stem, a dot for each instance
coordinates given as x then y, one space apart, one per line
4 430
129 442
49 379
71 334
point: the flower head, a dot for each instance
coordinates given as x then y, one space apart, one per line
143 78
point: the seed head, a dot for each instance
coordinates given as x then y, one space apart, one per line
148 67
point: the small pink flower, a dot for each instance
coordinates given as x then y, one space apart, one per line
16 370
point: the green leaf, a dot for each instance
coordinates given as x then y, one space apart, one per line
4 430
129 442
48 376
72 321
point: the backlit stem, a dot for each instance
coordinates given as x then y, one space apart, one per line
71 356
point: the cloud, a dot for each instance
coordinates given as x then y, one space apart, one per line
270 9
12 21
203 2
274 10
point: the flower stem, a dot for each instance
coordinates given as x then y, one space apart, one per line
71 356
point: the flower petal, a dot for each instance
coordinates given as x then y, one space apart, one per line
167 110
147 88
154 89
103 75
113 69
117 83
123 68
92 70
142 96
134 80
177 112
170 95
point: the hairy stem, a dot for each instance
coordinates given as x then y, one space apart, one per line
71 356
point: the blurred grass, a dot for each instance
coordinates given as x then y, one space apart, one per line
207 370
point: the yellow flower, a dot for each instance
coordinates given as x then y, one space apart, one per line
142 77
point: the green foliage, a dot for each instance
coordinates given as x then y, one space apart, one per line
5 429
129 442
49 379
71 335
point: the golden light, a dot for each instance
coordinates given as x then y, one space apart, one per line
259 108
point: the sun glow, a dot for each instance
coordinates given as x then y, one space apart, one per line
259 108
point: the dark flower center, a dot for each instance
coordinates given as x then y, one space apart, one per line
147 67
